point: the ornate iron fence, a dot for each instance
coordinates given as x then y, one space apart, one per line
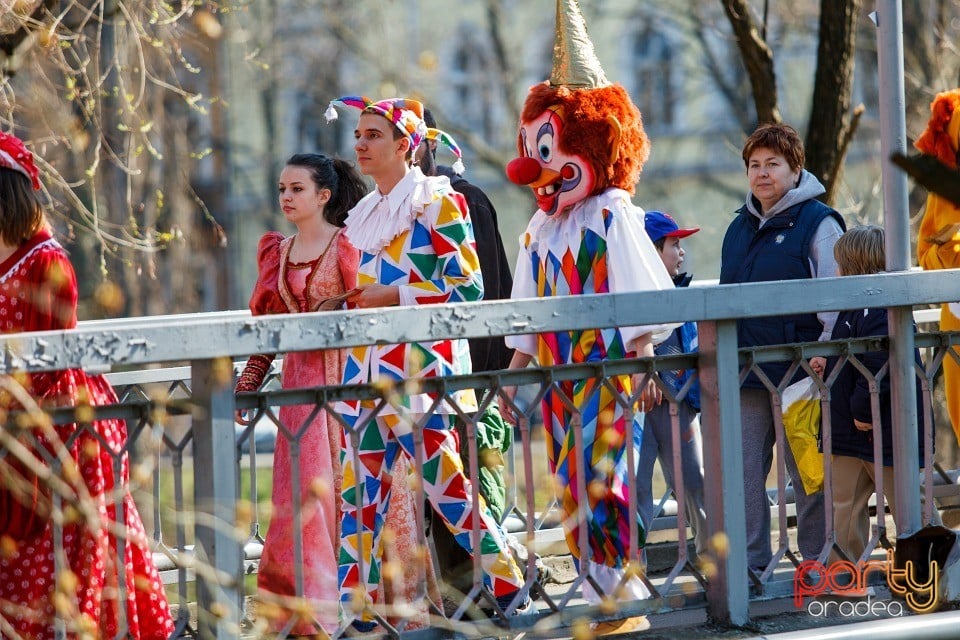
200 477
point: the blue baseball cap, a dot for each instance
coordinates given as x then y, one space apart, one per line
660 225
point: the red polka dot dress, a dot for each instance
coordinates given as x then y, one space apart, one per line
93 593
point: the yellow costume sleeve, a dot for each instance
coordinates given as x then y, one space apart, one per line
938 242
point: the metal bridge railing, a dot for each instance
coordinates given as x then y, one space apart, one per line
199 477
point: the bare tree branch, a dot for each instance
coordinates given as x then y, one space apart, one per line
730 89
9 42
90 77
832 179
504 60
758 59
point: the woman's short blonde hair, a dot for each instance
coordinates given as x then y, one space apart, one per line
860 251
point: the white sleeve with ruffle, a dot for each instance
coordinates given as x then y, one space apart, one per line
633 263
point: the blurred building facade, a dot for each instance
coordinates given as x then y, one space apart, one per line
282 61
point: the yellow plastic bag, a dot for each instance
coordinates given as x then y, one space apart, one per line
801 424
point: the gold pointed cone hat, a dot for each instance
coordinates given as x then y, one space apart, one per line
575 64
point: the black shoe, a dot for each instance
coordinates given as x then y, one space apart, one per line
545 574
525 608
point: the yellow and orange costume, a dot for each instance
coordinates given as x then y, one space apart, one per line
938 244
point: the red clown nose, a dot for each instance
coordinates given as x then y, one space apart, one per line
523 171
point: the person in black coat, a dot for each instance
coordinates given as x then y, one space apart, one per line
854 426
487 354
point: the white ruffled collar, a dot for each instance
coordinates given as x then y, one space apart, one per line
49 242
377 219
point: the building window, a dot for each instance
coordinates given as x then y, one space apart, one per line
652 61
474 92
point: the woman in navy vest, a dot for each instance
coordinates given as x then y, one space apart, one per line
781 233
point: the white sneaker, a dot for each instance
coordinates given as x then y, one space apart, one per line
524 608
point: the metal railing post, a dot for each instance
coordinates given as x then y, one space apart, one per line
219 555
893 135
727 594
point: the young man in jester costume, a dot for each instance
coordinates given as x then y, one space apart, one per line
416 247
582 146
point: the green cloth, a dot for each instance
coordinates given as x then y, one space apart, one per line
494 437
493 432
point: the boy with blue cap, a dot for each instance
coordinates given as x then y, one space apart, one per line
657 432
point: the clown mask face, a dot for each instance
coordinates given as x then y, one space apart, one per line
559 180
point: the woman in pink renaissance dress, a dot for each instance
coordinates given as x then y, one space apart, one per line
312 270
38 292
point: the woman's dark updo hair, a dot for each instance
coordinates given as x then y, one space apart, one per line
21 212
345 183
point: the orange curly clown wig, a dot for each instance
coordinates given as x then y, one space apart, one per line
936 140
588 132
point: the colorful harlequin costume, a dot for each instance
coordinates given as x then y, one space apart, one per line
938 242
582 146
418 238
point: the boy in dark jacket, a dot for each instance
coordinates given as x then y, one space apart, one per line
860 251
657 427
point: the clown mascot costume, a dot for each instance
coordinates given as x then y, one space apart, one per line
581 148
938 244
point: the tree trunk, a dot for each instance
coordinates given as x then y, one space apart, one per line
114 186
832 92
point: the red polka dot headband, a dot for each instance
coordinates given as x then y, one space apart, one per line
15 155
